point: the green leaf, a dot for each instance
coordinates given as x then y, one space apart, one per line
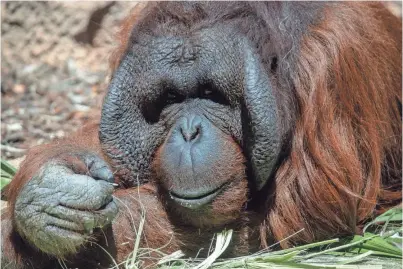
375 253
6 175
376 243
392 215
278 258
357 258
307 246
8 168
4 181
397 240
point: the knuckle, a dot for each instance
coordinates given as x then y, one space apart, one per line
40 201
46 232
59 242
106 217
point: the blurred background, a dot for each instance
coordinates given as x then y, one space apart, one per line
54 67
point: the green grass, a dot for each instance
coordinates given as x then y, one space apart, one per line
7 173
381 244
349 251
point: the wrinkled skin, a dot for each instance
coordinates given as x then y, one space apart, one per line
58 210
202 102
196 120
219 84
190 109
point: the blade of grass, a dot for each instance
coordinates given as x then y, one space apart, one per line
4 181
357 258
308 246
342 247
8 168
222 242
171 257
392 215
377 243
268 258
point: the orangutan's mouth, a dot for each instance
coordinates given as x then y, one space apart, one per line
195 201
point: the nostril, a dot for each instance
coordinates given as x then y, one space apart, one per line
190 134
195 133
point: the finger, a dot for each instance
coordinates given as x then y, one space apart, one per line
63 223
84 220
84 192
52 235
59 241
105 216
98 168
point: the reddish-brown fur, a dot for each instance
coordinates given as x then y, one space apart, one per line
345 157
349 131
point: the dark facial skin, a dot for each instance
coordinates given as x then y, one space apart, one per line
209 99
187 83
195 106
192 94
192 150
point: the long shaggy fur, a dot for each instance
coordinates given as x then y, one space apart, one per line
342 81
344 159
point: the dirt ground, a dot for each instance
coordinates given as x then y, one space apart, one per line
55 67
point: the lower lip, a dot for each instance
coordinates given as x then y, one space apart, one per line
195 203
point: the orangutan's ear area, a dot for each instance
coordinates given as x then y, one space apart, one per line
269 118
